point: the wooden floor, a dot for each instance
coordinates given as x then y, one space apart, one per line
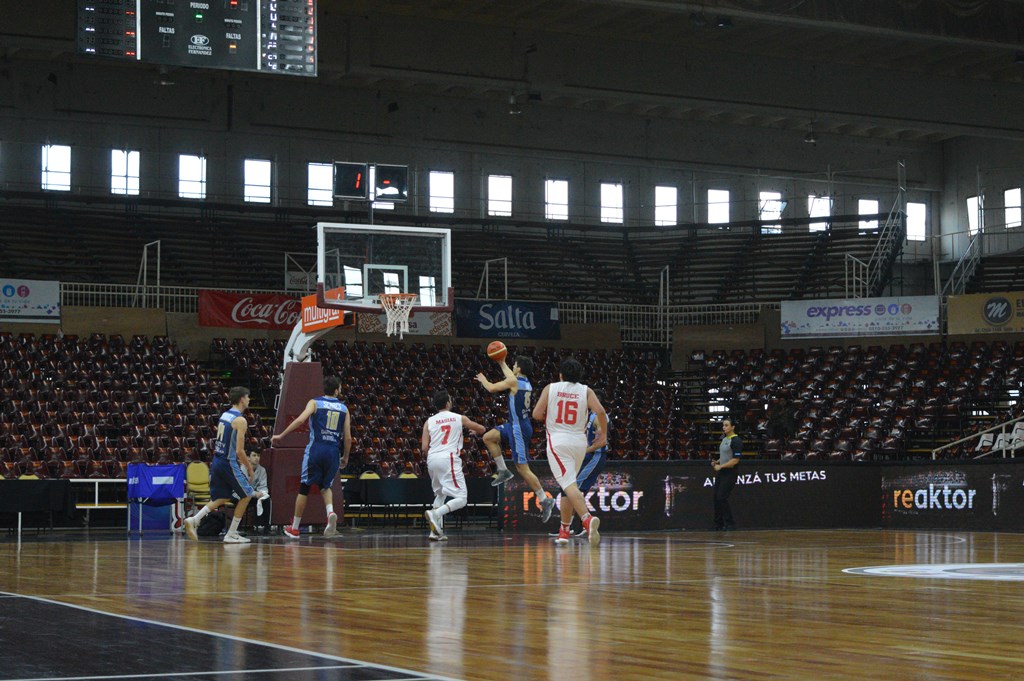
740 605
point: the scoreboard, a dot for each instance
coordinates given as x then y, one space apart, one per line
272 36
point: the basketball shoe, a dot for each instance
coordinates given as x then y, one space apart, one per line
235 538
563 535
434 521
291 532
190 528
547 505
502 477
590 525
332 525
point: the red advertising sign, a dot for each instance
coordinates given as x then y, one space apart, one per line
248 310
315 318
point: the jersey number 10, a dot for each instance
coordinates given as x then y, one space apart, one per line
332 419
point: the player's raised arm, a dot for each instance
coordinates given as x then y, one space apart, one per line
510 382
594 405
302 418
469 424
540 410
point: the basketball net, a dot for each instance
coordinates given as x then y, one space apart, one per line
397 306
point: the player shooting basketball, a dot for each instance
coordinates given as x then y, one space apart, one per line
517 431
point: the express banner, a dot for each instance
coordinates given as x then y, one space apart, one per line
268 311
987 313
830 318
631 495
29 301
507 319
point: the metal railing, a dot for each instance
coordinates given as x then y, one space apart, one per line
965 268
639 324
1010 446
170 298
857 282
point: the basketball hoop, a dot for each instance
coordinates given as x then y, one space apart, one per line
397 306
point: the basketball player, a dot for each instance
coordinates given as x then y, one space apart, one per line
330 429
565 408
516 433
441 445
230 471
593 464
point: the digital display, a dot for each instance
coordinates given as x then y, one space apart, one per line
351 180
273 36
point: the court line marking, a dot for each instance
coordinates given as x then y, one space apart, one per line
325 656
186 674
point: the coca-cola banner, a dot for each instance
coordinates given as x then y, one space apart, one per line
269 311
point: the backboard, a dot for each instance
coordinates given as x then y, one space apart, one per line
367 260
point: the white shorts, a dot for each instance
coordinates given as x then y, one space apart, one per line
446 475
565 456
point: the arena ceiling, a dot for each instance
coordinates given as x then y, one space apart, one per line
974 43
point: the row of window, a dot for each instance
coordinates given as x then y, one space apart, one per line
124 179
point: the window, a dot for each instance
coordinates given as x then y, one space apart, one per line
124 172
1011 202
391 283
428 291
770 208
818 207
867 207
556 199
972 214
611 202
718 206
257 181
320 190
191 177
499 195
442 191
353 282
56 167
384 205
666 204
916 221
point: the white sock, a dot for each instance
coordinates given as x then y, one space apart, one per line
330 509
201 513
295 522
500 463
541 496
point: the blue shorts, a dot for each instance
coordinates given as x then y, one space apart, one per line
592 465
228 480
320 464
516 436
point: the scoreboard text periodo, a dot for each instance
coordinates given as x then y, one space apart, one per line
272 36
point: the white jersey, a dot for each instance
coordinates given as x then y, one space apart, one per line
567 409
445 430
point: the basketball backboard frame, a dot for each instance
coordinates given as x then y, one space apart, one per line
370 303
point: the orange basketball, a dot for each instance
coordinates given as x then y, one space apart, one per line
497 351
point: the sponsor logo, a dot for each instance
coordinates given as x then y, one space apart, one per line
935 498
830 311
600 499
9 291
199 40
246 311
997 311
506 317
23 291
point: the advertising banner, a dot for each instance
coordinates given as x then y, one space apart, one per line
987 313
269 311
316 318
902 316
507 319
978 496
640 495
29 301
420 323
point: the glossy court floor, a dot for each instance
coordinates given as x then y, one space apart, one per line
390 605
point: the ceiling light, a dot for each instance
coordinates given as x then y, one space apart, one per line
513 105
809 138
